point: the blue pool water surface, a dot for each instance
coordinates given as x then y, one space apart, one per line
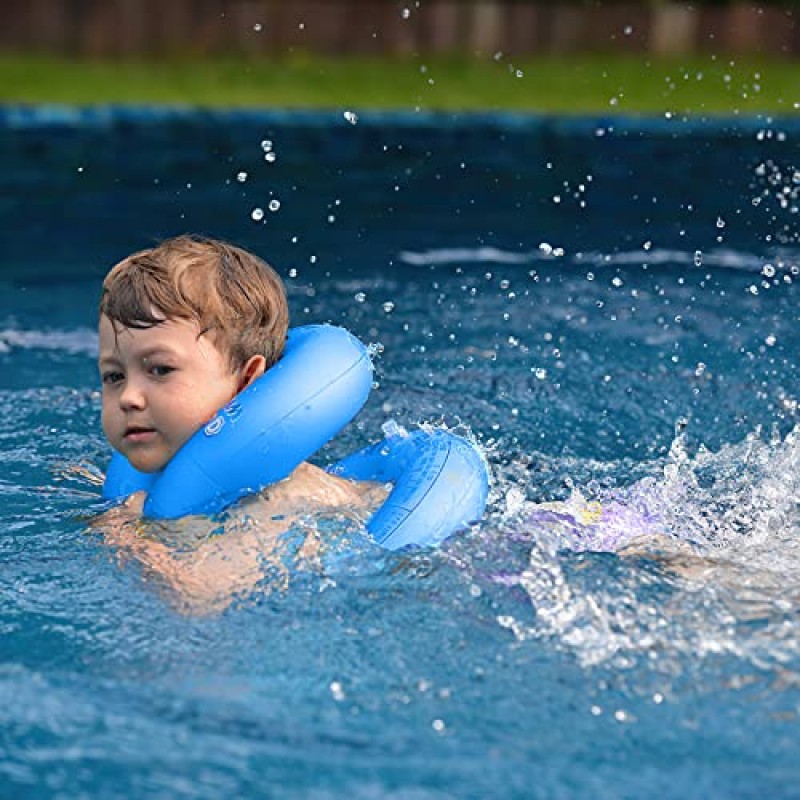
610 307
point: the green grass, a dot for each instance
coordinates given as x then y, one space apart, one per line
608 84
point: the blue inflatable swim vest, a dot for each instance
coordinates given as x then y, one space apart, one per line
266 431
440 485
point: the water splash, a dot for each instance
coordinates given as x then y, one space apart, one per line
714 571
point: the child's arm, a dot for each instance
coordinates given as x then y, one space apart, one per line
208 577
204 579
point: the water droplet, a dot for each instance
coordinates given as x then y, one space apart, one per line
405 13
519 73
770 340
647 245
720 222
257 27
274 205
388 306
257 214
698 258
768 271
359 297
266 145
270 157
351 117
241 176
337 691
628 30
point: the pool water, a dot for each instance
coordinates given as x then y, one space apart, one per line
609 307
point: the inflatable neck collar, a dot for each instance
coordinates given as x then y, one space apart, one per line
319 385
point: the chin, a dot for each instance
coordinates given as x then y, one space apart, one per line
145 463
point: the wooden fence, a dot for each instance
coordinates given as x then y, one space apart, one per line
131 28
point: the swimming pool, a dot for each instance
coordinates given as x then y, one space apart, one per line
609 306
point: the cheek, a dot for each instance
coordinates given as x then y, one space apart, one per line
106 419
212 401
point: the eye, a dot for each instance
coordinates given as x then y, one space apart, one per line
111 377
161 370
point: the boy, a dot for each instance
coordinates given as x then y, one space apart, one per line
184 327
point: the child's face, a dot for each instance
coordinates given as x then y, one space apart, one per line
160 385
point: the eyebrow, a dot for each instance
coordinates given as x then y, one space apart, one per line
143 355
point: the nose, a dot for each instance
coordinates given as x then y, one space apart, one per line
132 396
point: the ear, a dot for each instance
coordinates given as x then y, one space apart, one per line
254 367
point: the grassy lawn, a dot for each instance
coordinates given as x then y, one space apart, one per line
607 84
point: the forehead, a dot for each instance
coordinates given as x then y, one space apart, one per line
173 335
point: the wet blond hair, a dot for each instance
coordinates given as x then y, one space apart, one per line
233 295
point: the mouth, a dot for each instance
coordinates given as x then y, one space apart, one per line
138 433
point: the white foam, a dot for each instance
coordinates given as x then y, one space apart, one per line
718 257
729 259
452 255
78 341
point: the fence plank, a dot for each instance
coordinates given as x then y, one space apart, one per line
486 28
566 32
171 26
49 27
370 27
525 29
133 28
621 28
757 30
115 28
404 28
778 32
674 30
387 19
247 23
96 34
441 26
